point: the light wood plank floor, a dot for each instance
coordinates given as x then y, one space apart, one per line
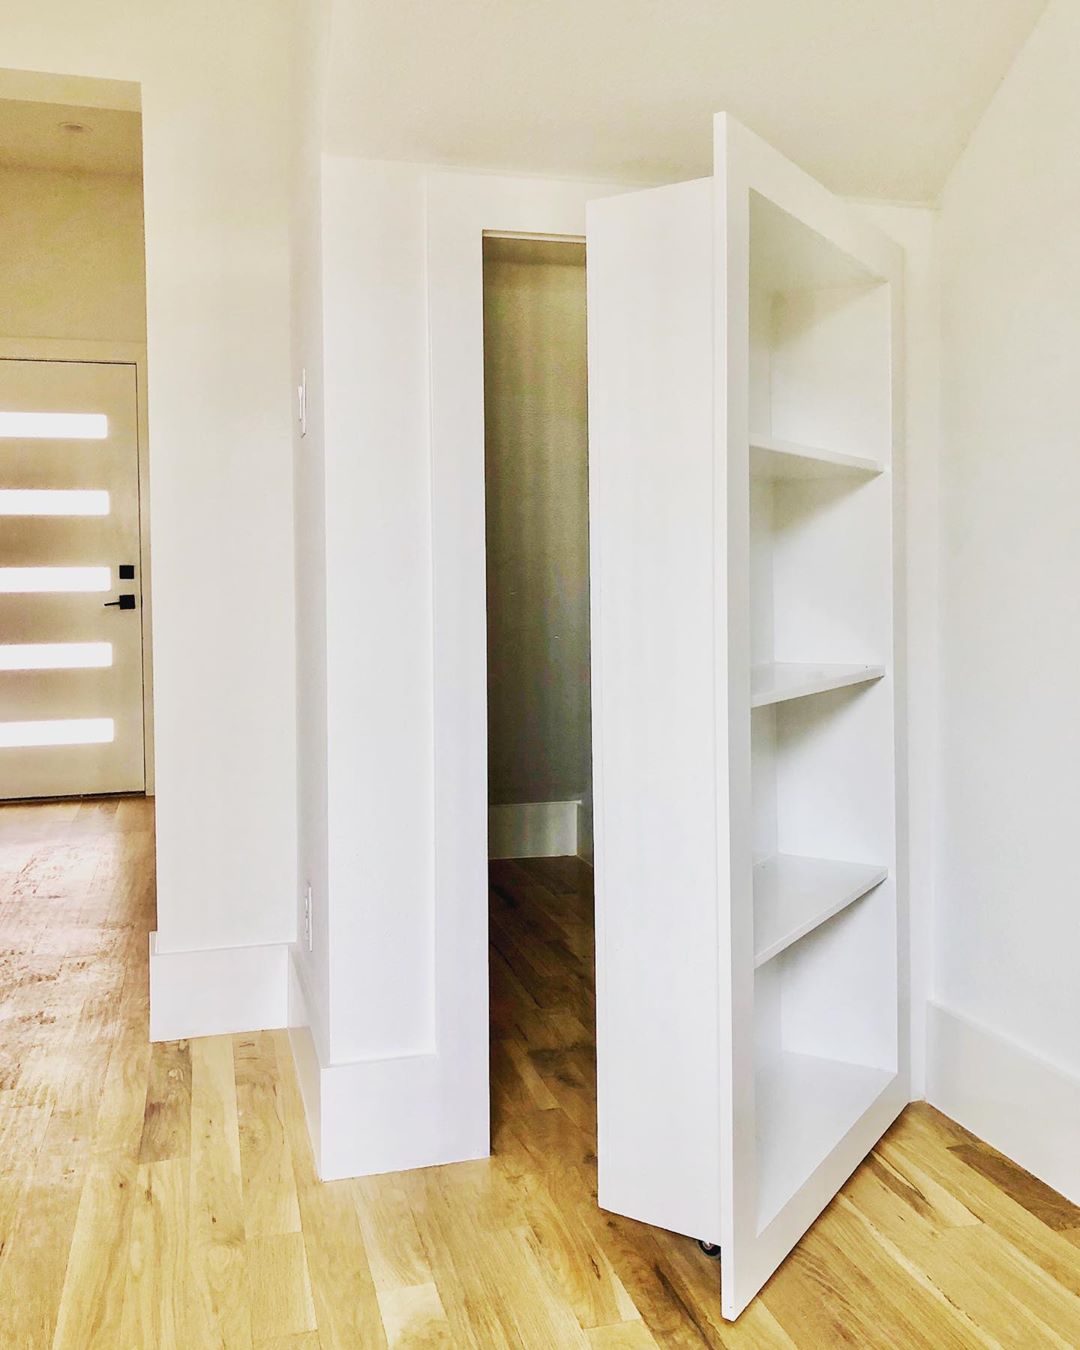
164 1196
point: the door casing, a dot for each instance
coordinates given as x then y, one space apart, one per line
461 209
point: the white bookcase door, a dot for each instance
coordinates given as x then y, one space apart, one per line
744 390
808 313
654 760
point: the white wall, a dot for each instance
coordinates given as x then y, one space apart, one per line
537 523
309 489
71 256
215 100
398 1077
1005 1049
362 1004
382 1014
379 609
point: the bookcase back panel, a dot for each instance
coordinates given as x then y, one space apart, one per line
829 369
837 987
834 782
831 570
820 569
820 336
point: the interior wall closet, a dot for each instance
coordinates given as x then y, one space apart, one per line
537 533
541 921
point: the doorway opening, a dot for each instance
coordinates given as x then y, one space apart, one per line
543 1048
75 664
77 866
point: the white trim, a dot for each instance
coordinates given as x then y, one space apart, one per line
532 236
1019 1103
299 1009
127 354
375 1115
217 991
585 830
415 1125
456 1114
305 1053
533 830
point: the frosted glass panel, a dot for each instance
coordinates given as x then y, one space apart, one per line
21 579
63 731
55 426
55 655
53 502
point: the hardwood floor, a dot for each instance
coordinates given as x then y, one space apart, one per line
164 1196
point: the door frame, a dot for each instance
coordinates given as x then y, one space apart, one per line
113 354
461 209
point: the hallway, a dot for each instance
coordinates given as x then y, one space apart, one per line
165 1197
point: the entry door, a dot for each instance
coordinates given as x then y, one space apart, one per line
71 661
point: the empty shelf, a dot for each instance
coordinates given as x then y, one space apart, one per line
770 458
792 896
782 680
805 1107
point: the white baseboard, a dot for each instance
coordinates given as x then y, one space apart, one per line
533 830
389 1115
1020 1104
379 1115
216 992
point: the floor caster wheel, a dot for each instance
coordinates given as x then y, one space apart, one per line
710 1249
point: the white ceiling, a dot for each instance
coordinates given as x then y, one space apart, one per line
31 137
875 97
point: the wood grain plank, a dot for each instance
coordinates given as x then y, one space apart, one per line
270 1202
167 1116
92 1300
343 1291
395 1252
622 1336
166 1196
281 1301
1039 1199
156 1308
414 1317
220 1294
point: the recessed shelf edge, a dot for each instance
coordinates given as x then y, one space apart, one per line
806 1106
778 681
777 458
795 895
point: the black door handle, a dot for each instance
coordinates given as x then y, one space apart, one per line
125 602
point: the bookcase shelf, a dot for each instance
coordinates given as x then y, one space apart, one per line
793 895
778 681
771 458
805 1105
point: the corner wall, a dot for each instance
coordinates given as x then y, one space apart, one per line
1004 1048
399 1077
216 130
309 1001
